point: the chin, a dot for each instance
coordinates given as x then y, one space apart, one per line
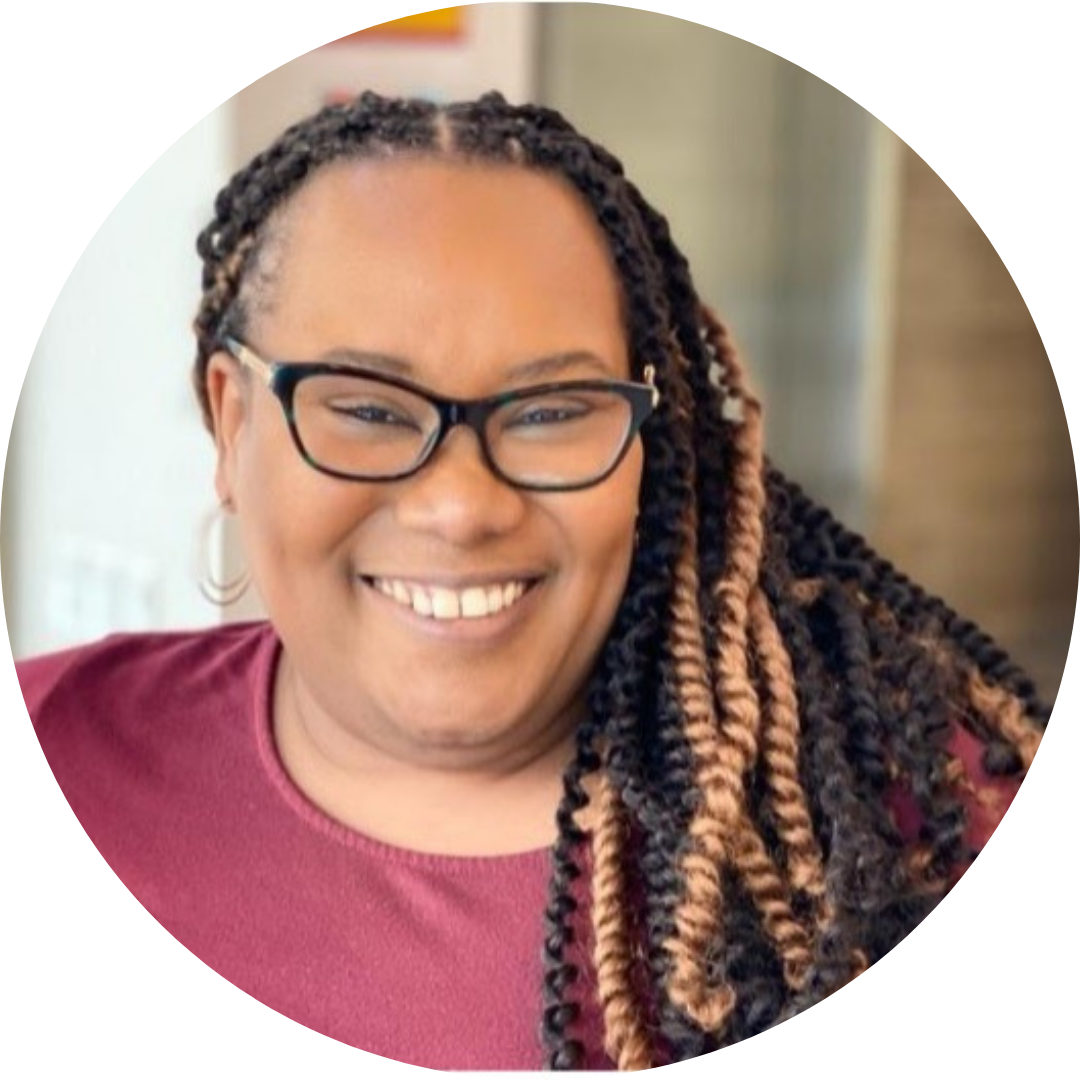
458 713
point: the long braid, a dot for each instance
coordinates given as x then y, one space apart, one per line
699 915
564 1051
780 750
866 747
734 591
625 1041
768 678
857 858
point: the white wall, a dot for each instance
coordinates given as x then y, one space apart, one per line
110 466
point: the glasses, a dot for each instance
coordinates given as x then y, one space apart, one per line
360 425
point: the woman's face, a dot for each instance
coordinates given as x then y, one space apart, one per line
463 274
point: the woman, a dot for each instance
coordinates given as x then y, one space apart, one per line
595 650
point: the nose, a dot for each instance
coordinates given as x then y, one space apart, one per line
457 497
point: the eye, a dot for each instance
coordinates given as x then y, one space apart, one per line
365 413
356 409
548 411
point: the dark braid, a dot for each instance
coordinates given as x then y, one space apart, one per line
769 680
859 875
560 973
849 636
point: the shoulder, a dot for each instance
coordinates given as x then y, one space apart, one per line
155 667
984 795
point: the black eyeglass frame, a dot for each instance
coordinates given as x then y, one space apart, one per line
283 376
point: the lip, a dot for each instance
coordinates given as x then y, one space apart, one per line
485 630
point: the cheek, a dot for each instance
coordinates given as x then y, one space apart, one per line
292 517
601 528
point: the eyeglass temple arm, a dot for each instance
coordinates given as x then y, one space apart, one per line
248 359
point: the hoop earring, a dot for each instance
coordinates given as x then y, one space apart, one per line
221 594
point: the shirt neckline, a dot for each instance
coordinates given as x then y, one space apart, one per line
267 657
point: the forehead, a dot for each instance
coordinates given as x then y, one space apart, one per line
439 260
433 207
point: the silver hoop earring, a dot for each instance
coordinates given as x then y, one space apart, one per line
219 593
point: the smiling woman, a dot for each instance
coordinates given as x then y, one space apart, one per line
542 619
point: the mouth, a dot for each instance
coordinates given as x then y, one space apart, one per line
442 603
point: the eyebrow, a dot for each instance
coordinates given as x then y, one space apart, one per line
553 364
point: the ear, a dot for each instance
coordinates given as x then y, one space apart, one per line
226 391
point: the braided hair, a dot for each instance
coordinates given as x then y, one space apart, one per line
768 678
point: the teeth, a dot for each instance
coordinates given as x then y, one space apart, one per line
435 602
474 603
444 604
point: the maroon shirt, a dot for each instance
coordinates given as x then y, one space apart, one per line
162 744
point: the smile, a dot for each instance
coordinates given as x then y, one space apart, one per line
436 603
442 604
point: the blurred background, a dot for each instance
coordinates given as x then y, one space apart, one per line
905 383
